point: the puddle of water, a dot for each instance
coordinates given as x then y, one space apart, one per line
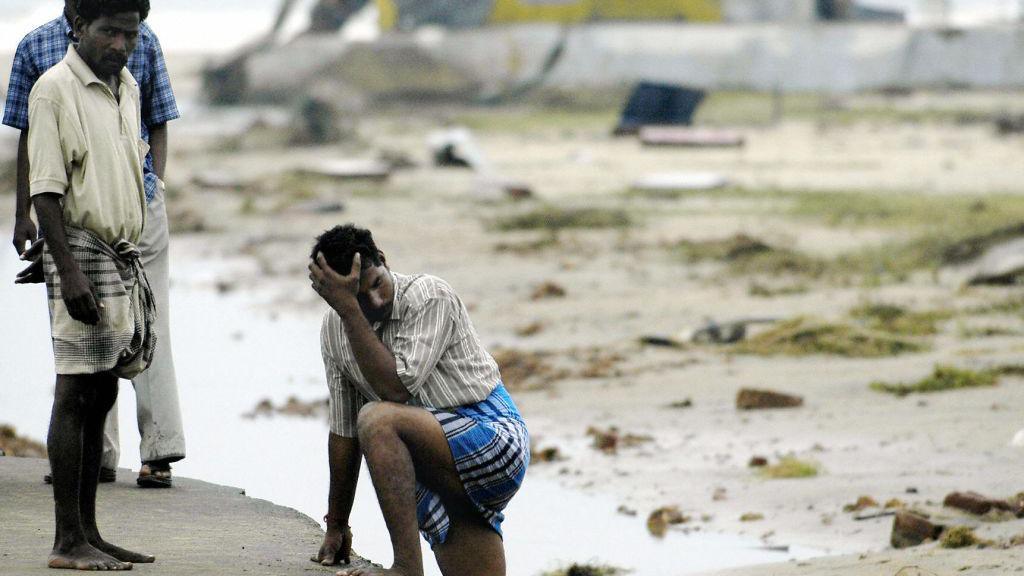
231 353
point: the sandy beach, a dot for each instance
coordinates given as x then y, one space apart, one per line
849 205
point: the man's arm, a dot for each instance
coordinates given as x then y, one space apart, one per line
24 228
76 289
345 459
374 359
158 148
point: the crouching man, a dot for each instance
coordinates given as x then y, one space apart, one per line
414 391
85 177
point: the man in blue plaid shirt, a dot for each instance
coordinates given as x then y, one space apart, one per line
156 389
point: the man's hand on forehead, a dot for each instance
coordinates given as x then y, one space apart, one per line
337 290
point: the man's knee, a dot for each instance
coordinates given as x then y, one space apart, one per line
374 420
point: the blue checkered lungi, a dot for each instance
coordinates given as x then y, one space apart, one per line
491 449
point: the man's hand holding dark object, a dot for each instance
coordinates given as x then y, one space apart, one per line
24 233
340 292
337 546
80 296
33 273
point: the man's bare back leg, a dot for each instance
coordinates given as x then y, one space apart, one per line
74 400
387 428
92 455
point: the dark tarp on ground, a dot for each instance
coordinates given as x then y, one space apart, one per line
659 104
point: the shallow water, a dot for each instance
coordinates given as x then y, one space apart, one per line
234 349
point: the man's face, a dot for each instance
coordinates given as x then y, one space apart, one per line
106 42
376 293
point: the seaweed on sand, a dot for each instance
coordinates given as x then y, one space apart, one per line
806 336
942 378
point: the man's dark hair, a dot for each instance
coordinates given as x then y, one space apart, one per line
340 244
90 10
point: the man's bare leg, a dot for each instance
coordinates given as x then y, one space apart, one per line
74 400
472 547
390 436
92 456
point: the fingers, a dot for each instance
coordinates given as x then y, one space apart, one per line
357 262
32 274
84 309
34 250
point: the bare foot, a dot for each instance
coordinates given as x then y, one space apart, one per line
121 554
371 571
85 557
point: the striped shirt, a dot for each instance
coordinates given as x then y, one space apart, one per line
45 47
438 355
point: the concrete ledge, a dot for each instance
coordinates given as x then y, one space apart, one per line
195 528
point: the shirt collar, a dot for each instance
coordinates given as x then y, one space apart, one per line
85 74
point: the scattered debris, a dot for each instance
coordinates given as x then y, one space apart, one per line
319 207
914 571
751 517
315 123
1000 265
971 248
522 370
726 332
587 570
549 454
750 399
1008 124
657 104
626 510
396 159
666 341
805 336
609 441
672 183
790 467
547 289
762 290
13 445
456 148
911 529
687 403
942 378
531 246
292 407
960 537
748 255
899 320
601 364
690 137
556 218
720 494
977 504
874 515
659 520
350 169
895 503
531 329
757 462
861 503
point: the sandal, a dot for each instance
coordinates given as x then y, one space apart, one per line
154 475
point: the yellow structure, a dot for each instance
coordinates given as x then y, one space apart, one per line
579 11
571 11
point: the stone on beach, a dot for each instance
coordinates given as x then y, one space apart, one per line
911 529
750 399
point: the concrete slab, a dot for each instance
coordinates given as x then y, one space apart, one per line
195 528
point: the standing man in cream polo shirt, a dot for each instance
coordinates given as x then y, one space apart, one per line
162 438
88 190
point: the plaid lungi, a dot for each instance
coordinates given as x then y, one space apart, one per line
122 342
491 449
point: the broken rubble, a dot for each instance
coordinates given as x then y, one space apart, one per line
750 399
911 529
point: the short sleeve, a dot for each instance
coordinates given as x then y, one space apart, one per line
51 150
158 103
345 401
421 339
23 76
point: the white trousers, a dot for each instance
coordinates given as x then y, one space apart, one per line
156 390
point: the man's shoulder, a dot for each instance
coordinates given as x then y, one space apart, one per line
38 38
53 82
420 288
